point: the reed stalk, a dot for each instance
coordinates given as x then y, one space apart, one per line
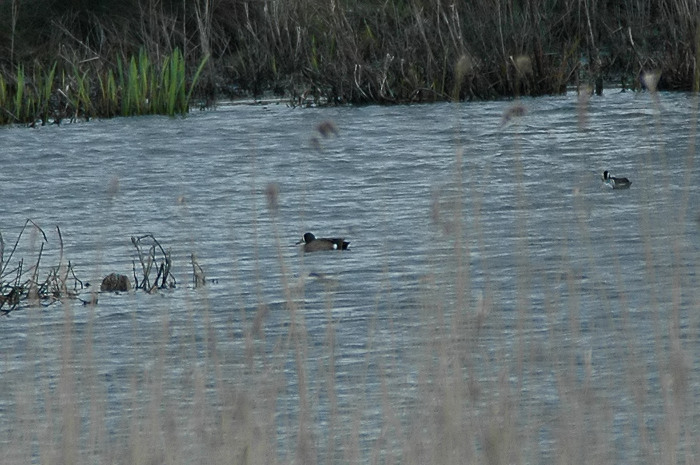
81 94
132 100
173 79
19 102
4 114
46 82
193 84
108 96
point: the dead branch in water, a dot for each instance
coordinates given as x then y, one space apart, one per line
147 259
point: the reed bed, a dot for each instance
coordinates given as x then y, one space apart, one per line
134 87
315 52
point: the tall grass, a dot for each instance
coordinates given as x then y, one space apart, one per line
133 87
44 91
109 94
357 52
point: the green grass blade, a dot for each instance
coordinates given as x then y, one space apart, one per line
19 94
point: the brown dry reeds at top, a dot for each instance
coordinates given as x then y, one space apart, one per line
342 51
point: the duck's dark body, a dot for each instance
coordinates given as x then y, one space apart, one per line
616 183
314 244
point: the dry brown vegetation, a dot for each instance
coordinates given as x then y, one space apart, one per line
462 414
22 281
313 51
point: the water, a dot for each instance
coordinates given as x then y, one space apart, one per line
482 255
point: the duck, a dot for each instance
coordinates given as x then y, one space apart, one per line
616 183
314 244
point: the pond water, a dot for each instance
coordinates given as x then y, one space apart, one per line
497 298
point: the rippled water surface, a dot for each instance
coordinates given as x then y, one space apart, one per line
490 273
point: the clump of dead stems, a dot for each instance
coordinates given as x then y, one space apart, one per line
152 257
20 282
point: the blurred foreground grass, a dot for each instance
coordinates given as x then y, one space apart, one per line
484 390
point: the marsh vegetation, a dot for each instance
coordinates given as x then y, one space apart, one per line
104 58
541 322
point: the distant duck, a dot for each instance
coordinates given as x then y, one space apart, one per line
312 244
616 183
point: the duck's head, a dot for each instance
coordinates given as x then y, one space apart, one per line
308 237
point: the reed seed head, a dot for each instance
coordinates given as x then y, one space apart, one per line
584 95
113 187
523 65
272 192
513 112
463 67
650 80
327 129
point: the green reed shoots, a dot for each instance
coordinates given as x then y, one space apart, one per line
110 92
173 77
3 102
45 91
80 95
104 106
30 108
19 94
84 93
136 86
144 80
132 98
122 84
111 87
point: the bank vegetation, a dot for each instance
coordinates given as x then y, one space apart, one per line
85 58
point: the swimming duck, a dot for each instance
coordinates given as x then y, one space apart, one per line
312 244
616 183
